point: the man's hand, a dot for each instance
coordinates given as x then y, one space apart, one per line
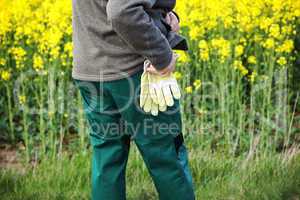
172 20
167 70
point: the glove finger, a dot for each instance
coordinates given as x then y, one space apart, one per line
175 90
153 94
154 109
148 104
152 88
162 108
158 90
168 95
160 96
144 89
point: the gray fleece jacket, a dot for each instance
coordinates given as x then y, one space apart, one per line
112 38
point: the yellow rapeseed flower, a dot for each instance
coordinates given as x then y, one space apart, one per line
2 61
222 46
194 33
239 66
5 75
204 55
286 47
239 50
252 76
177 75
183 57
282 61
197 84
38 63
269 43
243 41
275 31
204 50
252 60
203 44
22 99
19 55
69 48
189 89
257 38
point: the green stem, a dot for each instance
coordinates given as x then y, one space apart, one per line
10 114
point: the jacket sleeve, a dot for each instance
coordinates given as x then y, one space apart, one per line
132 23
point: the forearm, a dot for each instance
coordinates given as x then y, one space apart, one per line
133 24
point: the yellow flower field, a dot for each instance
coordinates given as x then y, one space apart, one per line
240 53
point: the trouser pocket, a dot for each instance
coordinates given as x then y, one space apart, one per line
100 110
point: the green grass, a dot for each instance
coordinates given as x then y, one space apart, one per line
216 176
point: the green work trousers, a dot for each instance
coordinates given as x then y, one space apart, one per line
115 118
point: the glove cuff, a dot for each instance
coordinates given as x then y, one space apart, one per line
147 63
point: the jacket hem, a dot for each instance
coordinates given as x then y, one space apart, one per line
105 77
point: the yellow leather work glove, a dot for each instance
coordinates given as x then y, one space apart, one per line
163 88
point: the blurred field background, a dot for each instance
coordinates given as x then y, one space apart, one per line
241 109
